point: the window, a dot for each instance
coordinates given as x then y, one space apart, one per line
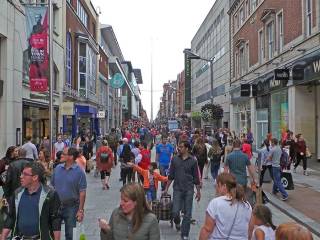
237 72
82 84
242 60
308 17
261 46
235 22
247 58
82 14
241 13
270 35
55 19
55 77
69 60
253 5
247 8
92 71
280 41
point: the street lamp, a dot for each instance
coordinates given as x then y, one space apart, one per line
191 56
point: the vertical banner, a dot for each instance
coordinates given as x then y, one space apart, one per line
187 79
37 53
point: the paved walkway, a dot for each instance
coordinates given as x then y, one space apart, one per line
100 204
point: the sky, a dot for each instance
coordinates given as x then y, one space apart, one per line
154 33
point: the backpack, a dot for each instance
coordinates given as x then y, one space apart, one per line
104 156
126 153
284 159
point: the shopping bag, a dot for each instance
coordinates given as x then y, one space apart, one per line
78 232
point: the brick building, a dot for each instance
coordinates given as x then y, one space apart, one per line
275 49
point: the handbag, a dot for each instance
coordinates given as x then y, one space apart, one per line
308 153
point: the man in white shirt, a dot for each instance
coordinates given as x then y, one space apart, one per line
32 152
59 145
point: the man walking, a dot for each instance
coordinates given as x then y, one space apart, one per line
164 152
275 156
185 174
237 163
32 152
59 145
70 182
34 209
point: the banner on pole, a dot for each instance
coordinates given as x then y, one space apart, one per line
37 52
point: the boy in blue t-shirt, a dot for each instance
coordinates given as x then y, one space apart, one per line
164 152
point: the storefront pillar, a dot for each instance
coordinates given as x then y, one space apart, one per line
292 109
253 120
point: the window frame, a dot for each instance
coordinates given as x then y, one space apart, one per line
68 59
280 31
308 12
261 45
271 42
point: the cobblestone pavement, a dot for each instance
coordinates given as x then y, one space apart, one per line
100 204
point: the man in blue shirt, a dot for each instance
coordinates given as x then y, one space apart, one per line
164 152
70 182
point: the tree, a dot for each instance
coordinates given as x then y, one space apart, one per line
211 111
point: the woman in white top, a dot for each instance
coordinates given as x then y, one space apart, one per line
228 215
261 222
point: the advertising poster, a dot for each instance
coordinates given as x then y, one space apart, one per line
37 52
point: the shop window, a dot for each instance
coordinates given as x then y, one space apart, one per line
68 60
279 113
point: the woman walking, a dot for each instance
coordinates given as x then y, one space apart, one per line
227 216
215 158
301 148
264 159
133 219
200 152
105 163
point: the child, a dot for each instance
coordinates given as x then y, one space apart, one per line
151 178
261 221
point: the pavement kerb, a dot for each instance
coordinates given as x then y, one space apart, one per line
297 216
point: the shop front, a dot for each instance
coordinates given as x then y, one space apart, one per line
305 97
35 121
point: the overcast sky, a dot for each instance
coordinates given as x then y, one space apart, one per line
166 25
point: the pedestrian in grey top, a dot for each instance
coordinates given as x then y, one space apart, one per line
133 219
32 152
275 156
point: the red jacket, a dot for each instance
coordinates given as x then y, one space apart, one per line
246 148
104 166
146 159
301 147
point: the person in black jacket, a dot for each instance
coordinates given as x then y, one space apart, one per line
13 173
25 220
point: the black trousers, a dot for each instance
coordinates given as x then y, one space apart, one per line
304 161
126 175
264 169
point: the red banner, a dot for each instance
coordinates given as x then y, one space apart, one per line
39 84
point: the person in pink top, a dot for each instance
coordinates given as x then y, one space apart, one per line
246 148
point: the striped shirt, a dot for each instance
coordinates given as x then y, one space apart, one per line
237 162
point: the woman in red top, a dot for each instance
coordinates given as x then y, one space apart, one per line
146 158
246 148
301 148
104 163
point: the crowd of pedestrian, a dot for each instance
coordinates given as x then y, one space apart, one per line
41 193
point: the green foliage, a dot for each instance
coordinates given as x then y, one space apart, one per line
211 111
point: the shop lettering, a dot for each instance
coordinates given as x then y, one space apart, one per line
316 66
275 83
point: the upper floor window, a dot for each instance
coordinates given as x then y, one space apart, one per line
270 35
82 13
261 46
280 40
308 17
241 16
247 5
254 4
68 60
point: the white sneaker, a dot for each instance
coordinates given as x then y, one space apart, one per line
305 173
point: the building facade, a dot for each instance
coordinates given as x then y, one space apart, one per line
211 41
275 51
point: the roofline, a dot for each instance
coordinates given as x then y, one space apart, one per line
109 27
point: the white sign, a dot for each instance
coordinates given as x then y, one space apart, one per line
101 114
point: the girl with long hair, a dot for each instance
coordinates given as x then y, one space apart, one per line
133 220
200 152
228 215
261 222
215 158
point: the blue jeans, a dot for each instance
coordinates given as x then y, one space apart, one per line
215 170
70 220
151 193
182 201
277 184
164 169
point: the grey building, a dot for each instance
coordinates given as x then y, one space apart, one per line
211 40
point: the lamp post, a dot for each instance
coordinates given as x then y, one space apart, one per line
192 55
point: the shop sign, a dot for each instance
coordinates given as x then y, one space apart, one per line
297 74
282 74
101 114
37 57
275 83
245 90
117 81
67 108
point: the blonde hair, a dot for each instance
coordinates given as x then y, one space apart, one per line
135 192
292 231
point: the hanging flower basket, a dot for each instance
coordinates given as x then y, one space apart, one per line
196 116
211 111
